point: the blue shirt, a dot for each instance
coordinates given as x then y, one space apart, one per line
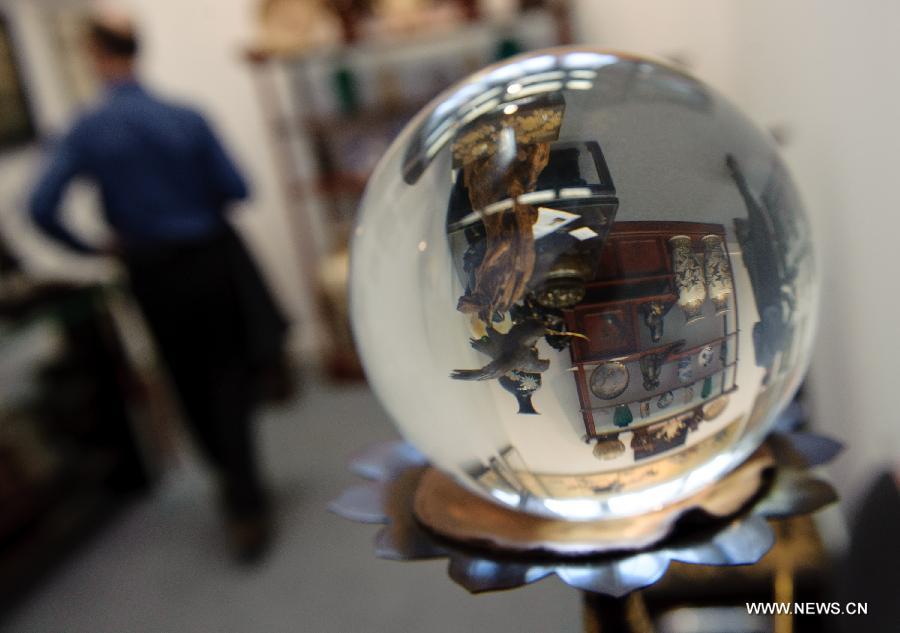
162 173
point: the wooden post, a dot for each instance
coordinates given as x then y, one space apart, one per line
603 614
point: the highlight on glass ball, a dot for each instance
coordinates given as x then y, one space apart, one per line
582 284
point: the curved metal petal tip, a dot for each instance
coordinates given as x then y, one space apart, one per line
804 450
616 578
743 542
793 493
383 460
478 575
362 503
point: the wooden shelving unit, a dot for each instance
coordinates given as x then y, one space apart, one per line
333 112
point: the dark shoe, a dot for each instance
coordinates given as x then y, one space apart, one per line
278 382
250 538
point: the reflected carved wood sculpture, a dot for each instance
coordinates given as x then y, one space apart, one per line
502 277
532 214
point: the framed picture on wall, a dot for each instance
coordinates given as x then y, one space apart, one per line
16 122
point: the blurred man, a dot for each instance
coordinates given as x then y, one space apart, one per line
165 182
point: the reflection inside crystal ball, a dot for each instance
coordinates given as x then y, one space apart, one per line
582 284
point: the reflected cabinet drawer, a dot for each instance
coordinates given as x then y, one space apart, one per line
610 330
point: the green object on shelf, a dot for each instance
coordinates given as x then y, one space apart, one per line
507 47
622 416
347 92
707 387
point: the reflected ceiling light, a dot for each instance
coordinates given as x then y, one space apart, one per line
541 77
587 59
538 63
536 89
484 108
579 84
535 197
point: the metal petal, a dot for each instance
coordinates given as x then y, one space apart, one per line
383 460
397 469
743 542
804 450
363 503
616 578
795 492
481 574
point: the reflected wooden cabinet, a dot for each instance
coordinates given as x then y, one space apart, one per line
625 314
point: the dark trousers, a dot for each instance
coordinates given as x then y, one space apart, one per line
192 301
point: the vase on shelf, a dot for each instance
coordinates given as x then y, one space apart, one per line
665 400
651 363
645 408
522 385
653 313
717 273
688 278
565 283
622 416
686 370
706 391
609 448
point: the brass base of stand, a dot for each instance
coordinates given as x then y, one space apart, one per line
455 513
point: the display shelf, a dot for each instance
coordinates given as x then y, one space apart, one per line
604 430
636 356
333 110
611 404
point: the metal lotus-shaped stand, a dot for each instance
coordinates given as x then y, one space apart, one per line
401 486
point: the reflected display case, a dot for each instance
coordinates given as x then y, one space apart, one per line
630 371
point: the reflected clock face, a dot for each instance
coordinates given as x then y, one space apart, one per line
581 283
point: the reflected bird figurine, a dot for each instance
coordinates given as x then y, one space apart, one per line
513 351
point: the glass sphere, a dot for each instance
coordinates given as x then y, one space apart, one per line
582 284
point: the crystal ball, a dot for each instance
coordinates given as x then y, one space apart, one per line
582 284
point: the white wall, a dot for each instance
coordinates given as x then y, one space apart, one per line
826 70
701 32
192 53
